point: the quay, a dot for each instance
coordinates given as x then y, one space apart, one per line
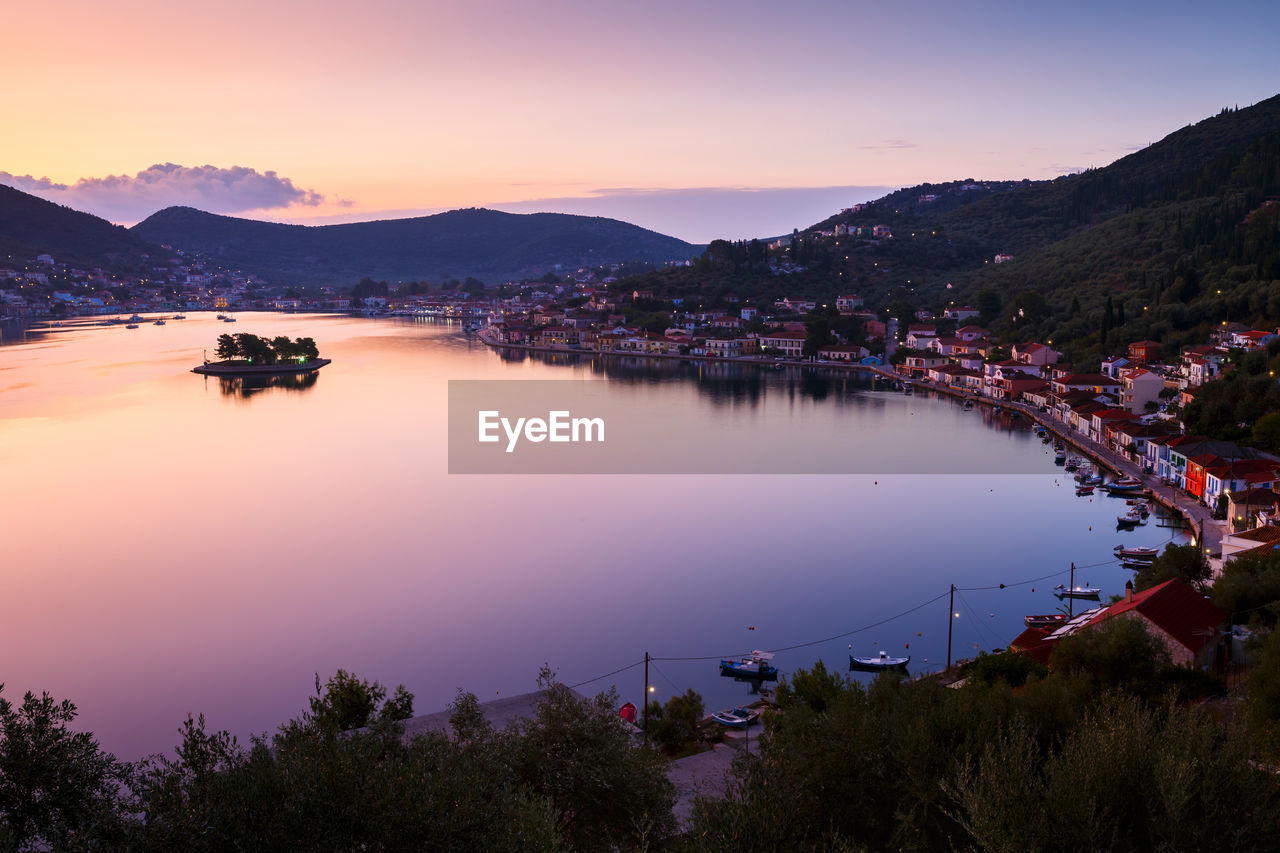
1207 530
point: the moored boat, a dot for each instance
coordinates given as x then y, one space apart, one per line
754 666
878 664
1077 592
737 718
1081 491
1044 620
1137 553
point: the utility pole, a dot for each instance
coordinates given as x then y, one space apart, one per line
645 724
1071 602
951 618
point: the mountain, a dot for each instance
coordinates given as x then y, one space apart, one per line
487 244
1176 237
31 226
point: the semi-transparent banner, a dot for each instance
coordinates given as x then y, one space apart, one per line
773 426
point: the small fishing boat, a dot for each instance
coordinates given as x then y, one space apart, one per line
1059 457
1045 620
1137 565
878 664
754 666
136 318
179 316
1077 592
738 718
1129 519
132 326
1137 553
1123 487
159 322
1081 491
968 404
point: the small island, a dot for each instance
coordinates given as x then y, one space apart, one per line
249 355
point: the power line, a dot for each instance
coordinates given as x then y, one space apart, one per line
606 675
859 630
825 639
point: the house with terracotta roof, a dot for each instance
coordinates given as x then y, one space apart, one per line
1034 353
848 303
1247 507
1144 352
1096 382
1229 475
1257 540
1252 339
1140 387
790 343
1183 620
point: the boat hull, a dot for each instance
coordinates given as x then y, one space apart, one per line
878 664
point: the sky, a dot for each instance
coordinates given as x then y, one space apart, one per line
697 118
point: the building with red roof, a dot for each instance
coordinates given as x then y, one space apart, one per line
1183 620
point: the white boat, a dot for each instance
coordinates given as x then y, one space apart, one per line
738 718
877 664
1137 553
1077 592
159 322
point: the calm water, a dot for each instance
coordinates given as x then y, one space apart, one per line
174 545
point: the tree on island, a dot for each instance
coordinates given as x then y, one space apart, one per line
227 348
256 350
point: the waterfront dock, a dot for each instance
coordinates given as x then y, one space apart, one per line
1208 532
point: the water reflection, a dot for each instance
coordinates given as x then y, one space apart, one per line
245 387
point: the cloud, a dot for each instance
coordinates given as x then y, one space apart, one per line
889 144
128 199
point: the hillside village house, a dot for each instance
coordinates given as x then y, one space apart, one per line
1140 387
1034 353
1098 383
1144 352
1249 508
919 364
962 313
732 347
790 343
1258 540
972 333
918 337
1113 366
848 304
843 352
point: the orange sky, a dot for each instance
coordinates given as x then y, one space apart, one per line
403 105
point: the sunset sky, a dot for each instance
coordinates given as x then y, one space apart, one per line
675 115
